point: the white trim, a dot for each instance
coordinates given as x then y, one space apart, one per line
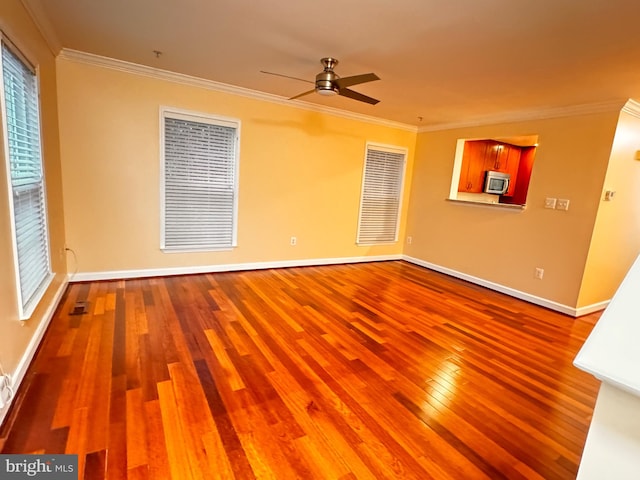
381 147
632 108
522 116
457 168
210 119
180 78
195 115
27 310
543 302
229 267
7 166
234 267
24 310
21 370
519 116
594 307
385 147
471 203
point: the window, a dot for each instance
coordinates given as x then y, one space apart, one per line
21 131
199 181
381 194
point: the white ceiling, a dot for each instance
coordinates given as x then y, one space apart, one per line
444 61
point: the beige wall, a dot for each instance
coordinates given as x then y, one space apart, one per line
616 237
300 173
15 336
505 246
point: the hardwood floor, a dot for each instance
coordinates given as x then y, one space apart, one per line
379 370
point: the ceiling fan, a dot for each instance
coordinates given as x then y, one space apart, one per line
329 83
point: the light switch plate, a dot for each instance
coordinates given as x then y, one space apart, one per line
549 202
563 204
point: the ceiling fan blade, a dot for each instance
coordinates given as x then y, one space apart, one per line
356 79
286 76
345 92
303 94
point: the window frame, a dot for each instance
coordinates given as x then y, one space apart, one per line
371 146
206 118
26 306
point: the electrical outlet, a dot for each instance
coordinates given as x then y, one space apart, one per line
409 240
550 202
294 241
6 392
563 204
539 273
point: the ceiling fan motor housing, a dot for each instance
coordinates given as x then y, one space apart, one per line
325 80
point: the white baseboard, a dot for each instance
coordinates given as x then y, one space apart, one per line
543 302
595 307
21 370
229 267
234 267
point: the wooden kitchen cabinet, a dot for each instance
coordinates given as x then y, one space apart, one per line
482 155
472 169
495 153
511 167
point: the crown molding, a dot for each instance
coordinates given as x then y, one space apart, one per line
40 18
539 114
632 108
180 78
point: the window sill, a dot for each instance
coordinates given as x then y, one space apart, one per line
487 204
27 310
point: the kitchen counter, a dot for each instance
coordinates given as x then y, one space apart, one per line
612 351
612 354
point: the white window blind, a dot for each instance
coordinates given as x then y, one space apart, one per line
200 182
27 197
381 195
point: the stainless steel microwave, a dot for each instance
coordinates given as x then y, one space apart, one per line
496 182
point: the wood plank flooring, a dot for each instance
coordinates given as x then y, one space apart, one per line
365 371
